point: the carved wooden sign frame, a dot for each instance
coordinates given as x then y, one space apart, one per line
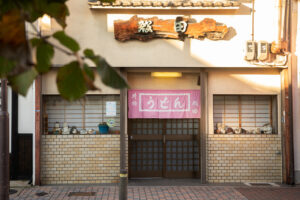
180 28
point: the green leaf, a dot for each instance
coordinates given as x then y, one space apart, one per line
58 11
44 55
89 72
21 82
110 76
70 81
35 41
6 66
89 53
67 41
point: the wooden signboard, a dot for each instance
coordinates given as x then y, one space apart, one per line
146 29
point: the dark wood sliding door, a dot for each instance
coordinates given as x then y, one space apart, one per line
164 148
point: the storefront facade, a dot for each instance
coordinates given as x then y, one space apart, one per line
237 136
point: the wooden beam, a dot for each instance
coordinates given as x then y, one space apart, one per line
145 29
38 83
287 127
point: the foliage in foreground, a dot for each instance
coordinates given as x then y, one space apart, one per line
74 79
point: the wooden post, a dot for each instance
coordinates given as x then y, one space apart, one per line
203 124
37 130
14 136
287 127
123 170
4 144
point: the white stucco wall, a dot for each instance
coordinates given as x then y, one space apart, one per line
26 113
94 29
242 82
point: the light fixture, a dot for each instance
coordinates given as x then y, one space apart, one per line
45 23
166 74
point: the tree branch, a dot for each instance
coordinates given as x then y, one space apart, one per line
59 48
36 30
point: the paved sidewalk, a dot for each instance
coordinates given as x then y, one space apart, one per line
159 192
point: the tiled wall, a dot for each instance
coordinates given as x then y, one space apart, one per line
77 159
244 158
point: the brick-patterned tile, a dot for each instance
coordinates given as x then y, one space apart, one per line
162 193
134 193
270 193
77 159
244 158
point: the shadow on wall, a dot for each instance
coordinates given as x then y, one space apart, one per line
96 32
230 34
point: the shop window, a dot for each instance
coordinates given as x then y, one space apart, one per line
245 114
85 114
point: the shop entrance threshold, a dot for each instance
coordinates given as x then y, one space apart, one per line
164 182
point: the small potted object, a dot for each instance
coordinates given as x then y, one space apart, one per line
267 128
74 130
66 129
103 128
92 131
83 132
56 129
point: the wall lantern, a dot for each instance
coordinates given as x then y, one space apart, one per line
166 74
45 23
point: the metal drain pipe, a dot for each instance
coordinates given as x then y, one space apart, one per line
252 34
277 46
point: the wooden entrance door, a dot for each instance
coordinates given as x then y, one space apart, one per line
164 148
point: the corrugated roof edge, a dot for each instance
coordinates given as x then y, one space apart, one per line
163 4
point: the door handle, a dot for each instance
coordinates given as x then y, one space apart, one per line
131 137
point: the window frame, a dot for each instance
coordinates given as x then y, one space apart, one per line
273 111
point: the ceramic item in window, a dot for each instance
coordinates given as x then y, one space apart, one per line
238 131
244 131
56 129
267 129
91 131
83 131
66 129
253 131
220 128
229 130
257 131
74 130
